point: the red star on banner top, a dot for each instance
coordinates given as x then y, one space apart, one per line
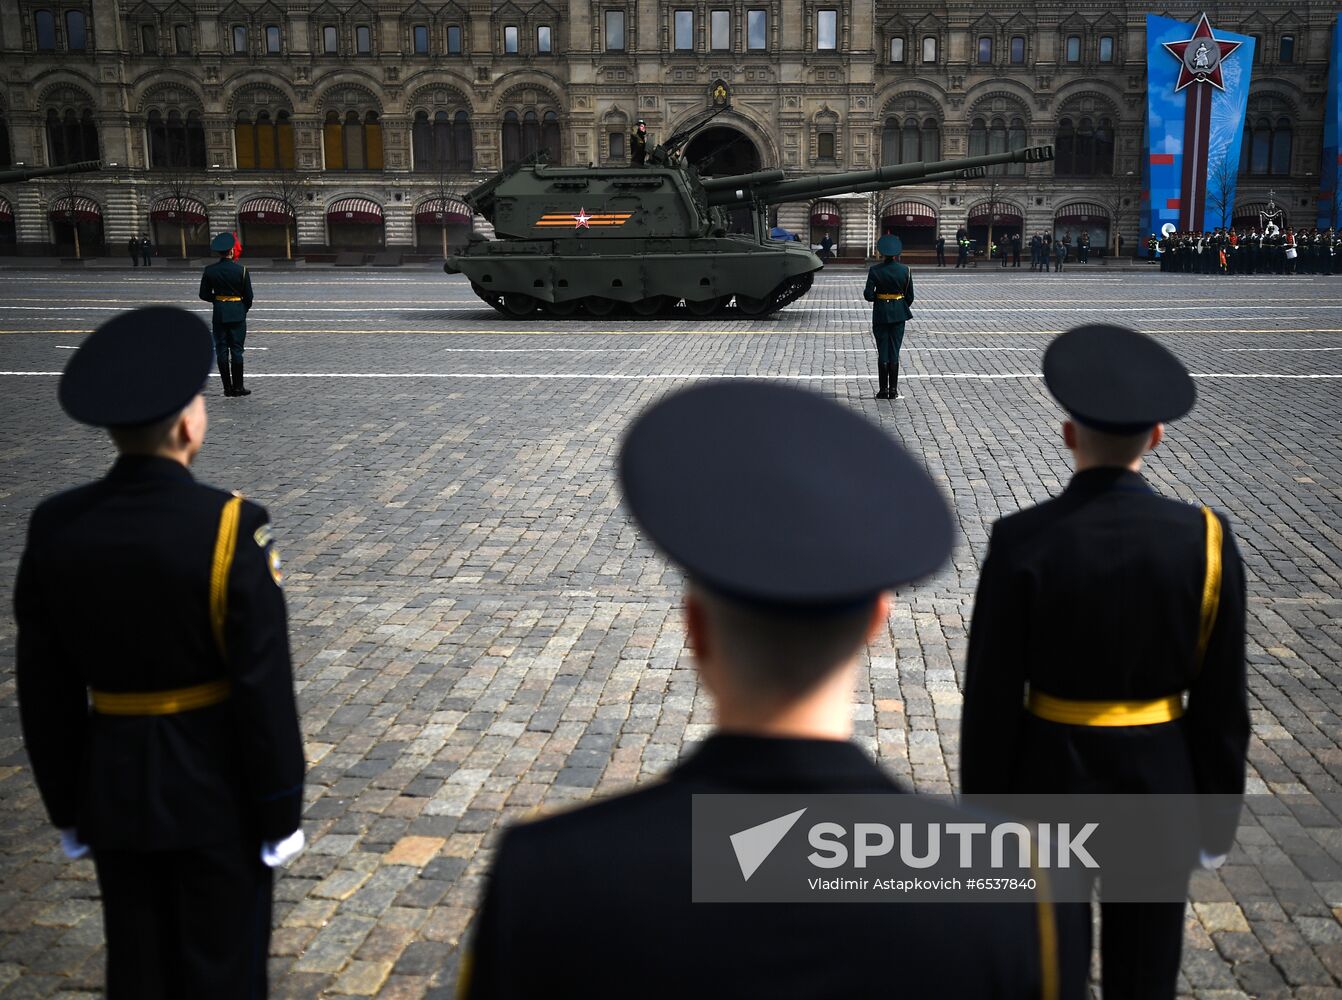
1200 56
582 219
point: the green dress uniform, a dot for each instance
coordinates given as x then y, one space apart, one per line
596 902
228 287
1107 647
890 291
154 683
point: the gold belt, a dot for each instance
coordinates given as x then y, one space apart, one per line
1105 713
161 702
889 298
228 298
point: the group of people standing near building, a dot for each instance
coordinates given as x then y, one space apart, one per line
140 248
1249 251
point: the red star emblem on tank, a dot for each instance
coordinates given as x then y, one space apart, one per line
1200 56
582 220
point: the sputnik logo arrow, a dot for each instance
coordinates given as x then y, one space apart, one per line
754 845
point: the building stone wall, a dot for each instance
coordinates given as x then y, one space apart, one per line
787 96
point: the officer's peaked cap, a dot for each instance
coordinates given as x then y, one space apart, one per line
1117 380
138 367
779 497
222 243
889 246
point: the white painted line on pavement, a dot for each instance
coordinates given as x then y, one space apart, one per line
543 350
1244 350
683 376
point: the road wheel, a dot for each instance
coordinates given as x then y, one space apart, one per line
518 304
703 307
561 309
751 306
650 306
597 306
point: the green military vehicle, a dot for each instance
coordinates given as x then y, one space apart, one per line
654 239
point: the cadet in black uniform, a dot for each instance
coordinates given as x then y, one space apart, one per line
890 292
816 514
228 286
154 682
1100 610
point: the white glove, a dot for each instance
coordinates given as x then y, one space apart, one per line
1211 862
277 852
71 845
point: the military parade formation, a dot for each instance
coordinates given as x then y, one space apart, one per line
1270 250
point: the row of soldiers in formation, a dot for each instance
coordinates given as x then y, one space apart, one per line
1248 251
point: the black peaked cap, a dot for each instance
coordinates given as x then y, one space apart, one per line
1117 380
777 496
138 367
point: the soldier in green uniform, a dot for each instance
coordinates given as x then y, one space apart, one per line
890 291
228 286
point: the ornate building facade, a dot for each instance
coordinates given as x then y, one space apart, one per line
338 124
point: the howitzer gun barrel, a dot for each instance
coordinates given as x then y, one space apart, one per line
773 192
29 173
742 180
964 174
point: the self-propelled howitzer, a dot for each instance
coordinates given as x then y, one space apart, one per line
656 237
18 174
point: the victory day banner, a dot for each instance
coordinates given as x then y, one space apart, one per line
1330 177
1197 90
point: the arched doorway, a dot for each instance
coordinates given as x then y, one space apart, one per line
442 224
1003 218
179 226
1083 217
826 221
723 151
268 228
8 236
355 224
76 226
912 221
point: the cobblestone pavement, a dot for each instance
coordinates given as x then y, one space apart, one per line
478 630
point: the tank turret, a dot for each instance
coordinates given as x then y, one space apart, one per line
655 238
30 173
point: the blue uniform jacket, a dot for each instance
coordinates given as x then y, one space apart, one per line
227 280
889 278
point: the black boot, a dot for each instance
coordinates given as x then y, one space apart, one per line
885 382
238 388
894 381
225 376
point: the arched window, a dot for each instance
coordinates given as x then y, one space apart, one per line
1084 148
44 26
512 138
550 135
177 141
1016 140
528 133
1064 144
263 142
76 32
911 143
5 159
353 142
71 137
463 150
978 137
1268 138
931 151
1281 148
1104 147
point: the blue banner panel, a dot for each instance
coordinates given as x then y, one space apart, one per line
1197 93
1330 176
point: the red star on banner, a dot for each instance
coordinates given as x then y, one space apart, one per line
1209 52
582 219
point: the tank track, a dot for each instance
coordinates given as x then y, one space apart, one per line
784 295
